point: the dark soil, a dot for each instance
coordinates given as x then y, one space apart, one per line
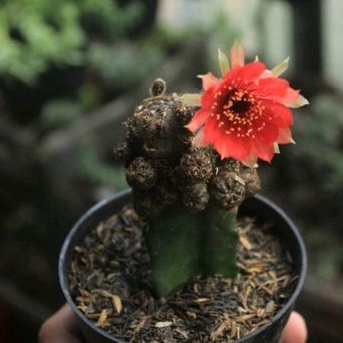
111 284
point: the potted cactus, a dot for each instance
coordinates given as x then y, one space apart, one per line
197 257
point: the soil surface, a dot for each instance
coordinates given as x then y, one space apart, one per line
111 284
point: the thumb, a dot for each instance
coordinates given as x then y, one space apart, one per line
62 327
295 330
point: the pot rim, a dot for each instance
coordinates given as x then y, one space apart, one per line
264 200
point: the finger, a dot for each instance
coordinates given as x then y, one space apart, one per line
295 330
62 327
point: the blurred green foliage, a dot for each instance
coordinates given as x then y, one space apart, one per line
98 171
37 33
60 112
320 136
112 69
124 65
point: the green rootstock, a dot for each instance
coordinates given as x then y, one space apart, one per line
183 244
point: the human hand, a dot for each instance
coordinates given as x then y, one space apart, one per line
295 330
62 327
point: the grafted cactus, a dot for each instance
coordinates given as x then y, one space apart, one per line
189 195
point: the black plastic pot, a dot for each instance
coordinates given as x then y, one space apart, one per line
258 207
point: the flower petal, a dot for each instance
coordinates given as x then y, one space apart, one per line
241 148
212 132
251 161
291 97
299 102
227 145
191 99
224 64
208 81
237 55
266 132
198 139
285 136
251 71
263 151
280 68
277 113
271 88
231 146
198 120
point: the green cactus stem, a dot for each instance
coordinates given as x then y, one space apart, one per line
183 244
218 253
173 243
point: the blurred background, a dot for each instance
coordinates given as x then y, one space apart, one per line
71 71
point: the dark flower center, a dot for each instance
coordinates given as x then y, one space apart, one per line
240 107
236 102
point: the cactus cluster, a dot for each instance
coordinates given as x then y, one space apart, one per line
163 168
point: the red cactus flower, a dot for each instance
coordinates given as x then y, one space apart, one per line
245 114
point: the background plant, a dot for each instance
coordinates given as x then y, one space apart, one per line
36 34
